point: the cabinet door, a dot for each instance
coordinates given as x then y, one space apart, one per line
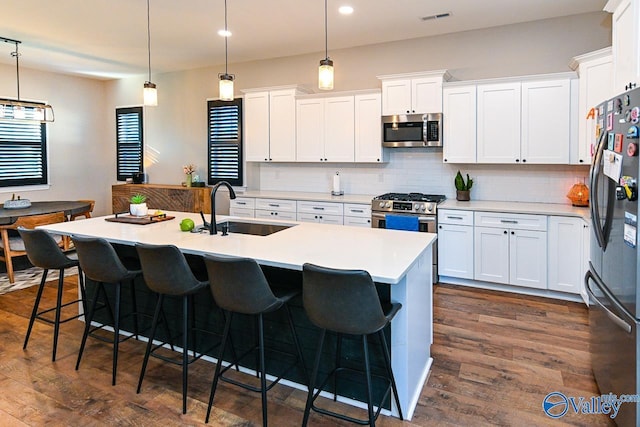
310 130
625 45
242 212
459 116
288 216
357 221
396 97
256 127
546 122
528 258
368 133
426 95
499 123
491 254
331 219
566 271
339 129
282 106
455 251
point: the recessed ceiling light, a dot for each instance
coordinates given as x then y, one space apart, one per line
224 33
345 10
436 16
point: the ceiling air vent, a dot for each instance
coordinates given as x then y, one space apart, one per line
437 16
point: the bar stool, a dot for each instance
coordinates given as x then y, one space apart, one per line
166 272
346 302
43 252
100 263
238 285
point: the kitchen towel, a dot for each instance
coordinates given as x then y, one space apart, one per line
401 222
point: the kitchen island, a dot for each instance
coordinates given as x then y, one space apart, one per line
399 261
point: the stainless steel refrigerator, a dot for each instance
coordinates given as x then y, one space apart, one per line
612 280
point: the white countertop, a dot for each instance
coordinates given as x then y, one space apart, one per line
518 207
386 254
317 197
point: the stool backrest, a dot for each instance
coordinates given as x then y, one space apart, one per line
344 301
165 270
239 285
42 249
99 260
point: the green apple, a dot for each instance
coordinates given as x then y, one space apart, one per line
187 224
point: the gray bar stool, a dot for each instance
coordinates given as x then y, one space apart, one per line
100 263
43 252
166 272
346 302
238 285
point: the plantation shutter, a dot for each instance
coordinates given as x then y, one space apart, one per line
129 142
225 142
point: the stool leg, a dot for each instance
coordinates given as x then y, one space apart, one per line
367 368
134 305
263 371
296 342
56 324
387 361
87 326
154 324
185 350
34 312
116 333
216 375
83 290
314 376
338 357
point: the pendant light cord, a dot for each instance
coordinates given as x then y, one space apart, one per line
326 43
226 37
16 54
149 39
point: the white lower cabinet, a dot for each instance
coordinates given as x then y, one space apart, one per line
357 215
288 216
455 243
320 218
321 212
511 249
276 209
243 207
242 212
568 254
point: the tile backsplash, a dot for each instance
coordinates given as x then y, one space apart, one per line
417 170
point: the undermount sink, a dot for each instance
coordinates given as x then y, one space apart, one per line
253 228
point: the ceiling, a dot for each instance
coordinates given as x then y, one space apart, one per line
107 39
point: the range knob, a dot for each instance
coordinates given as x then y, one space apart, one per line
382 204
422 208
388 204
416 207
430 207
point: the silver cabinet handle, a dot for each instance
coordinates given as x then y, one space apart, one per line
508 221
274 205
357 210
318 208
454 217
241 203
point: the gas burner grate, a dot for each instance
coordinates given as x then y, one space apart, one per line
412 197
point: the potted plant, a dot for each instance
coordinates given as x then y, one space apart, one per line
138 206
463 188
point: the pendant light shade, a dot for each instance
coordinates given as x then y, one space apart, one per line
150 93
225 80
325 72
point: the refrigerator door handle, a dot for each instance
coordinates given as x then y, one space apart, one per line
614 318
594 175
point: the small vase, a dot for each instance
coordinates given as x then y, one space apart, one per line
463 195
139 209
189 180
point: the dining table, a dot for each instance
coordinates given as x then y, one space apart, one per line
69 207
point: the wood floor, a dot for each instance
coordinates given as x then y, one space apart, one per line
496 356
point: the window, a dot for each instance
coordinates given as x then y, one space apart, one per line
128 142
224 151
23 149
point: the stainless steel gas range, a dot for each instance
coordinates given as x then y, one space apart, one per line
408 211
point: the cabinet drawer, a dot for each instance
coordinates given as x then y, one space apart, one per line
243 212
280 205
449 216
352 209
320 218
288 216
243 202
511 221
323 208
358 221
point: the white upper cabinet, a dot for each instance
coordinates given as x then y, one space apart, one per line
416 93
368 133
595 70
310 130
498 123
459 123
270 125
546 122
625 42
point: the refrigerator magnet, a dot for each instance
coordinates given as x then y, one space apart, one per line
609 121
630 229
611 141
617 145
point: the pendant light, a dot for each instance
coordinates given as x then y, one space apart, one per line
11 109
150 93
225 84
325 72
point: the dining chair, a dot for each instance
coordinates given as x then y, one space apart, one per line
13 245
85 213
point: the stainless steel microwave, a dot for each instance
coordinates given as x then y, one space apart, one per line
412 130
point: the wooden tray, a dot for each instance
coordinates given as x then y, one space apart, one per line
147 219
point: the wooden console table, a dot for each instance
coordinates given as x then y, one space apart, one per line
167 197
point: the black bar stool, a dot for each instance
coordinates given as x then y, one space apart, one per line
43 251
166 272
100 263
346 302
238 285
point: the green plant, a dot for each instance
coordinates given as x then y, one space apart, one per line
138 198
461 185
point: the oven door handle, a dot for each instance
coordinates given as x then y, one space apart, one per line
422 219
